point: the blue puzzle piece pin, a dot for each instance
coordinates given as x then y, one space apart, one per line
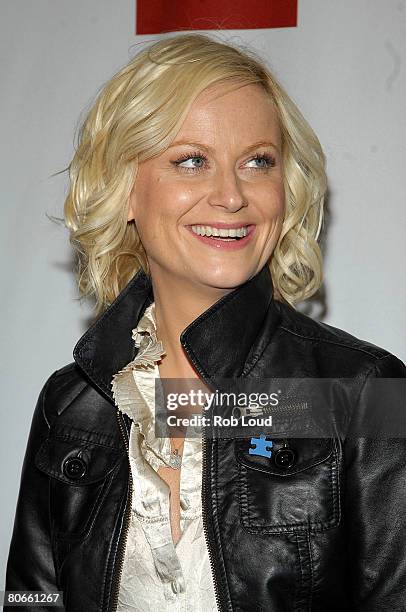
262 447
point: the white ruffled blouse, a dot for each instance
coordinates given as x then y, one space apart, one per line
158 574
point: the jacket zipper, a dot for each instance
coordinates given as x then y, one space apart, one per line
126 523
204 515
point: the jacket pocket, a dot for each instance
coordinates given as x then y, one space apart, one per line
80 474
300 497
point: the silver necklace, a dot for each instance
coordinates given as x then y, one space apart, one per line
175 460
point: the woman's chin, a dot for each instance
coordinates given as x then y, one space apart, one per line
205 273
226 278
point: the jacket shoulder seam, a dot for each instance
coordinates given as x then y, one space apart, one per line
52 379
368 372
342 344
44 392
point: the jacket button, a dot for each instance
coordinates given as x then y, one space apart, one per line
285 457
74 468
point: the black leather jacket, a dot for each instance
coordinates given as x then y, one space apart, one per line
327 534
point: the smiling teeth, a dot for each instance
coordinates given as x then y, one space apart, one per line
207 230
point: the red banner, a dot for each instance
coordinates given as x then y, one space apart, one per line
155 16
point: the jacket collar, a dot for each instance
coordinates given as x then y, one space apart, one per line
224 341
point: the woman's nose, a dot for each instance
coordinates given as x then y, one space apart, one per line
226 192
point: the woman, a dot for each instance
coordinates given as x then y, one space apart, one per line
196 203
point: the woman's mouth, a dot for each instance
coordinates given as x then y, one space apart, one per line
223 236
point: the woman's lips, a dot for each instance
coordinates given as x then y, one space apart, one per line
230 244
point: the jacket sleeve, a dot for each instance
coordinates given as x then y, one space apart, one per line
30 565
375 498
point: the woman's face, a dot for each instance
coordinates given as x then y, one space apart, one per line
222 172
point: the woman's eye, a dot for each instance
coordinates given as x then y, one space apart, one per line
263 162
191 162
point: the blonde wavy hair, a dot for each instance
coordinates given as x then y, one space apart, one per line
136 116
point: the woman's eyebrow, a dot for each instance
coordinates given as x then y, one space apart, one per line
255 145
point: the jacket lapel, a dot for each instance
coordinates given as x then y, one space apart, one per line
224 341
107 346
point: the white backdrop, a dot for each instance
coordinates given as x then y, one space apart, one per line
343 65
